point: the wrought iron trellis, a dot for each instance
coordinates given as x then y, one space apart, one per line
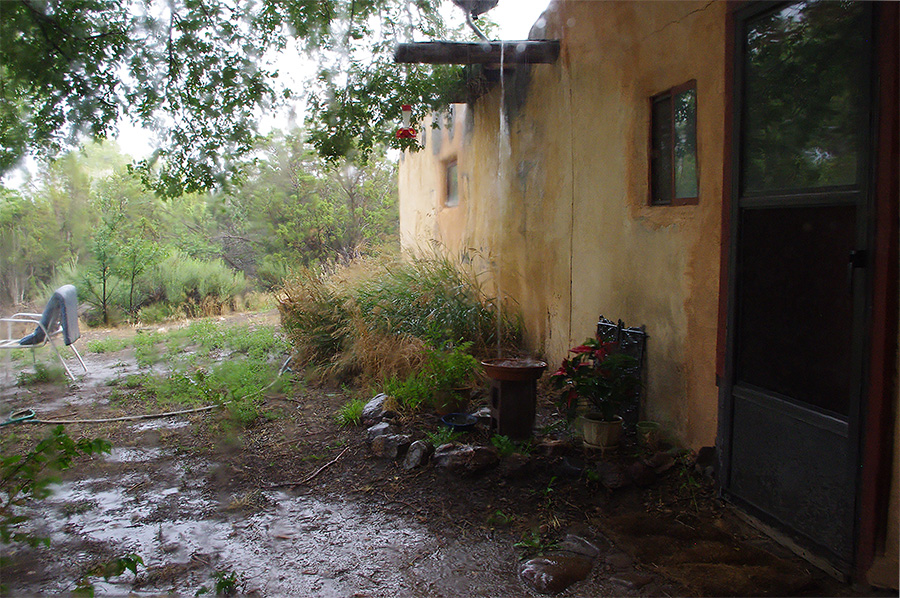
632 341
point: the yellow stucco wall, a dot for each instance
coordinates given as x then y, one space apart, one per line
561 216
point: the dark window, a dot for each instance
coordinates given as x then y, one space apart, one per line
452 197
673 147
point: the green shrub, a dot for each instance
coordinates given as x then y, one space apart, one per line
255 301
156 313
442 372
379 324
198 287
271 271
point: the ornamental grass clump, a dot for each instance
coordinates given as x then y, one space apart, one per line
314 317
441 302
596 372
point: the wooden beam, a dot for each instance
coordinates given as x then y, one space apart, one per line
544 51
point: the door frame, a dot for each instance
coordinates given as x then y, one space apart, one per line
871 423
879 410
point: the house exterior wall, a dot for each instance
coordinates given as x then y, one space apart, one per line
561 218
557 212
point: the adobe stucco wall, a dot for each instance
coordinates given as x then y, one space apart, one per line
564 220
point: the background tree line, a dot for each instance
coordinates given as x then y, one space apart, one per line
85 219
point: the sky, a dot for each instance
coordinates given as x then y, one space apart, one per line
515 17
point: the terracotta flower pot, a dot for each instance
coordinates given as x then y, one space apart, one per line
601 434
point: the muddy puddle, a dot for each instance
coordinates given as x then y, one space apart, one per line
280 544
172 509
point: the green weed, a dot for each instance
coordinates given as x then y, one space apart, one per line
106 345
350 413
499 519
207 334
112 568
442 436
145 350
258 342
506 447
533 542
42 374
228 583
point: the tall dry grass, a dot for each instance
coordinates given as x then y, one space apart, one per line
378 318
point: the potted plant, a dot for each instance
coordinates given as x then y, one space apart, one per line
599 376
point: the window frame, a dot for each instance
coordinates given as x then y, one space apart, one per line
671 94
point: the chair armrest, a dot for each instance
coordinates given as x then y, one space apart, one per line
30 319
16 320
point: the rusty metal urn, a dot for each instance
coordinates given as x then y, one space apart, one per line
513 395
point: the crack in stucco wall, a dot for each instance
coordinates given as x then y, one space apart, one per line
677 21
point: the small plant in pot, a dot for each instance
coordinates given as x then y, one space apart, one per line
596 375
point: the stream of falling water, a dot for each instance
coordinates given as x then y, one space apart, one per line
503 157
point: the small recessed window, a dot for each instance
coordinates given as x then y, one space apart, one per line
673 147
452 187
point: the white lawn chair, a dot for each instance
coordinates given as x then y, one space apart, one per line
59 317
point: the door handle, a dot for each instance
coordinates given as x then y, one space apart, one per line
858 258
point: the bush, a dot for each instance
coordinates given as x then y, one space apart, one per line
156 313
439 301
197 287
443 372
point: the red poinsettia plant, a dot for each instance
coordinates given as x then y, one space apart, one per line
599 372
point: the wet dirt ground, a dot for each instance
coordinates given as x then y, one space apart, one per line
297 506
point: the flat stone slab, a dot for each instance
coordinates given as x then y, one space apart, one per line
464 458
552 574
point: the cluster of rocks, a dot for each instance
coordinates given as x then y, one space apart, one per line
386 442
